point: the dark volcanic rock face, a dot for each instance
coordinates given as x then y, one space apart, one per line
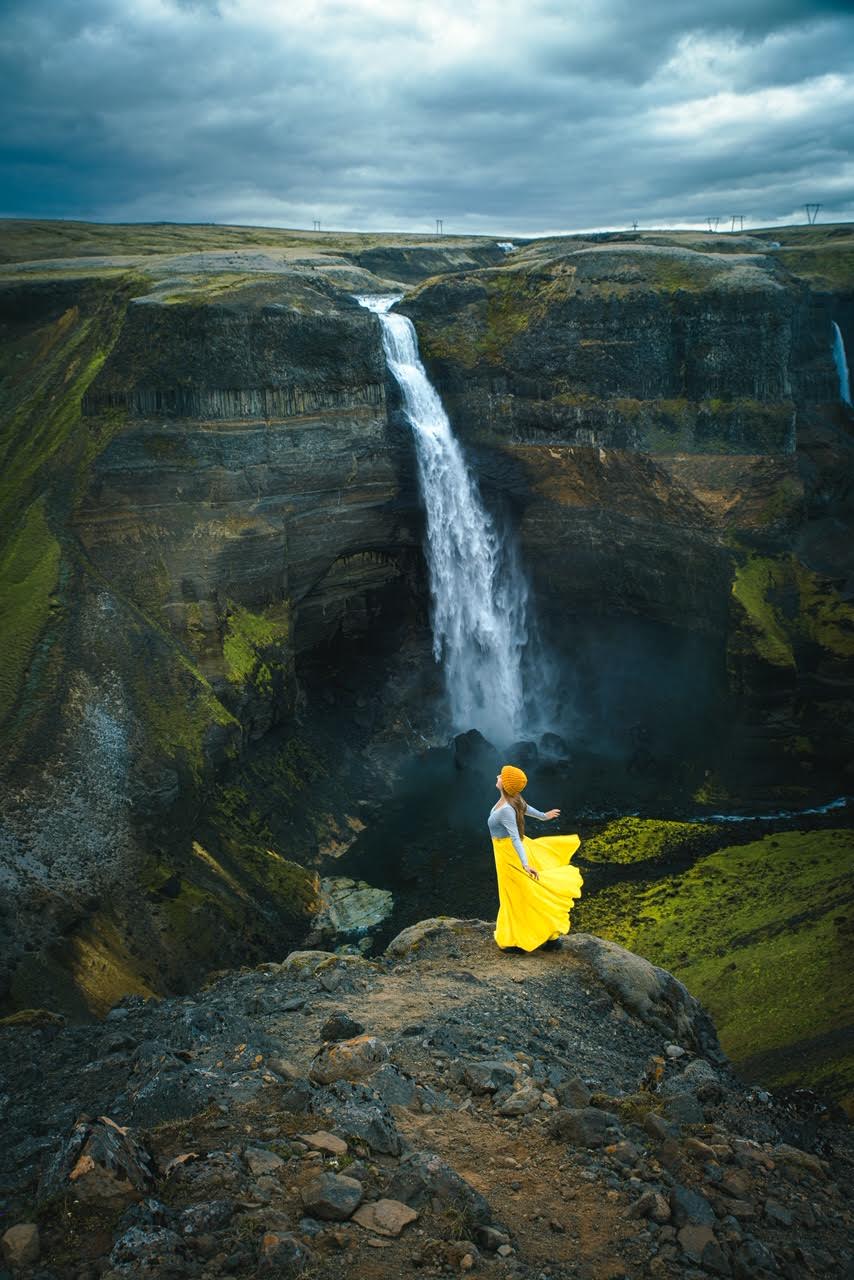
663 421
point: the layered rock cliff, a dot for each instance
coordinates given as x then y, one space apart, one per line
210 510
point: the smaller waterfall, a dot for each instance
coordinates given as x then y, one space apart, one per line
841 364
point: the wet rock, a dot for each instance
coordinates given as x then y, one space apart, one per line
473 751
425 1179
340 1026
99 1162
582 1126
689 1208
385 1217
348 1059
21 1246
332 1197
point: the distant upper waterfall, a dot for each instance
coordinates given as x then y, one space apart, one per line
841 364
480 597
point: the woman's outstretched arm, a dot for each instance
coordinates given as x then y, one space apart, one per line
543 817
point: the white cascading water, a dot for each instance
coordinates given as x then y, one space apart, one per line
480 598
841 364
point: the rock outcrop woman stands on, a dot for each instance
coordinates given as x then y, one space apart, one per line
536 884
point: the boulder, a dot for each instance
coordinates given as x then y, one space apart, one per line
261 1162
325 1142
282 1253
21 1246
333 1197
340 1026
582 1126
385 1217
416 935
351 907
650 993
490 1074
348 1059
424 1179
689 1208
100 1163
523 1100
359 1112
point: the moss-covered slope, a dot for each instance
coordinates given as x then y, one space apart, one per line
762 934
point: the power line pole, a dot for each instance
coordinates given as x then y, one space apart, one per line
812 213
440 226
634 226
713 223
737 218
316 224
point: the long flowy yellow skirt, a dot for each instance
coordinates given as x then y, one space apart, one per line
532 912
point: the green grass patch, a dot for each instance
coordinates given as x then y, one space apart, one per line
248 641
629 840
29 571
761 933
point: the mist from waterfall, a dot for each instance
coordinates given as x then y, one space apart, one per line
841 363
479 593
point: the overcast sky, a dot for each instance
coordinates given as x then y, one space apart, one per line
499 116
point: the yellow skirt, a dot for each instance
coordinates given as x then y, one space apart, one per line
532 912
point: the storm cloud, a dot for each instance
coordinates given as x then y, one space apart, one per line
508 116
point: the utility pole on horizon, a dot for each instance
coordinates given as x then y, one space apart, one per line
739 218
316 225
812 213
440 226
712 221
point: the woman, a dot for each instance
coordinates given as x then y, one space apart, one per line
536 884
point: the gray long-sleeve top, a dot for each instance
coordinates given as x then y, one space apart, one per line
502 824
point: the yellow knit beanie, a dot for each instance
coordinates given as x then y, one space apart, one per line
513 780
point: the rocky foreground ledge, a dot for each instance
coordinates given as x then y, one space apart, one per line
446 1108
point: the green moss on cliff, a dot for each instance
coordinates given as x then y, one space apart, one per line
755 577
46 367
761 934
815 614
179 710
29 570
630 840
248 640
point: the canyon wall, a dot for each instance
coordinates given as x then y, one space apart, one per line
208 485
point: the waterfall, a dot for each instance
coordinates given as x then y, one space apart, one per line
841 364
479 595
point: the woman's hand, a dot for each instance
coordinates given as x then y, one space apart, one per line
553 813
532 873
